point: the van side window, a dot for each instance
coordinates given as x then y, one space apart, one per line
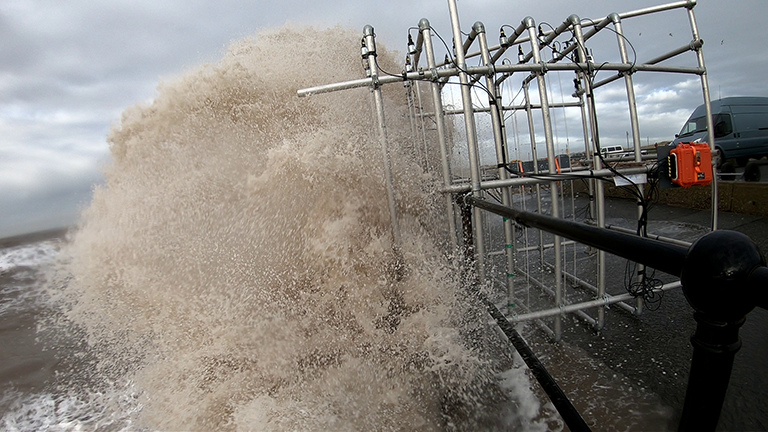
694 125
723 125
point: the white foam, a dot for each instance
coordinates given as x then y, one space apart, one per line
29 255
113 409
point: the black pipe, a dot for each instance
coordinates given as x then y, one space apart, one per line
570 415
662 256
567 411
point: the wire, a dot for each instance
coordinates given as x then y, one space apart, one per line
648 286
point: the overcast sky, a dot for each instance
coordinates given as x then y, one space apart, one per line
69 68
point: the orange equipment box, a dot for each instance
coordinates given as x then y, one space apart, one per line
690 164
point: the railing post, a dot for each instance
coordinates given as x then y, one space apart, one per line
715 280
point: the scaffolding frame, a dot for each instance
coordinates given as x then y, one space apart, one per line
547 182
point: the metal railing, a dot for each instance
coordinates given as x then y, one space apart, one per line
724 276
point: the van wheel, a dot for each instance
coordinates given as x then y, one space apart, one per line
719 158
741 161
727 168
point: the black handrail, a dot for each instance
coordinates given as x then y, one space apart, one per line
662 256
724 276
562 404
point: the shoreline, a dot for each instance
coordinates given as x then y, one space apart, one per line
21 239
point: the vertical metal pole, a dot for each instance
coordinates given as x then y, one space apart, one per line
437 102
370 44
541 83
599 187
423 128
633 117
412 118
469 123
587 153
535 156
494 102
708 107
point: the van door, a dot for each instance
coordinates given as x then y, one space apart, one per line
750 129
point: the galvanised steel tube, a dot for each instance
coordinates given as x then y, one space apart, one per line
693 46
370 44
680 243
662 256
542 178
419 46
597 162
594 289
584 316
535 157
606 301
635 124
425 34
469 123
708 107
504 68
585 130
547 120
520 107
412 118
423 128
498 137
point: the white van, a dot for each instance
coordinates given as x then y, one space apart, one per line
612 151
741 128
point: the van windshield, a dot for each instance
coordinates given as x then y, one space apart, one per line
692 126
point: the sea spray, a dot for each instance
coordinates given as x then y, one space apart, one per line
235 268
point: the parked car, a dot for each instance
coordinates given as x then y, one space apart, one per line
741 128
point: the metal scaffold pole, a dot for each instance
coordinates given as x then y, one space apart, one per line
445 154
596 160
469 123
547 120
370 55
494 101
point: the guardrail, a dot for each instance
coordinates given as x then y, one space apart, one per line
723 274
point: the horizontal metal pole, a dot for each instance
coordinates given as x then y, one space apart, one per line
660 8
434 74
652 253
690 47
693 46
594 289
607 301
516 107
531 248
546 246
328 88
542 178
681 243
